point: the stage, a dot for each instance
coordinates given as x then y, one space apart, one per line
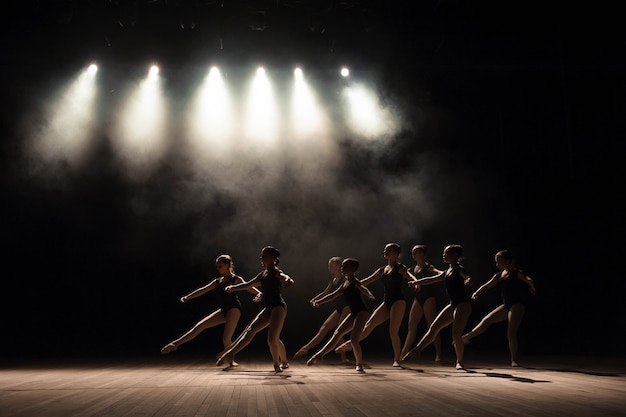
180 385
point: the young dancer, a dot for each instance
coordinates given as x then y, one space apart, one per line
228 313
338 314
271 280
351 289
424 302
515 286
455 313
393 306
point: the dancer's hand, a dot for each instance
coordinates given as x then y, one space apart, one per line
184 299
475 296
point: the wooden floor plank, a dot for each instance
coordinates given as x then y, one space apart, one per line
188 386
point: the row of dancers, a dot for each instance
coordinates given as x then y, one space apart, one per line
351 316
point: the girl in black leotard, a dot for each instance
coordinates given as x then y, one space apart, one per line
338 314
455 313
228 313
271 280
352 291
515 286
393 306
424 302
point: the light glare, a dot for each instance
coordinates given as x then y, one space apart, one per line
261 114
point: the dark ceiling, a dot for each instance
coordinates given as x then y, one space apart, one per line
441 31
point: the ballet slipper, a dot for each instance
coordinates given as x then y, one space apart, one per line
224 358
312 361
277 369
459 366
344 347
170 347
359 368
301 353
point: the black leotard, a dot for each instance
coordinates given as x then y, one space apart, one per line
392 282
352 297
426 291
227 300
513 290
456 287
271 287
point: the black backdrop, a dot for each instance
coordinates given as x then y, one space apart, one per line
520 109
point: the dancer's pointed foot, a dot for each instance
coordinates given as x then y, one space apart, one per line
515 364
170 347
284 365
277 368
459 366
359 368
233 363
344 347
396 364
314 359
224 359
301 354
438 359
411 354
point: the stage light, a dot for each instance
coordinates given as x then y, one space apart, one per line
72 119
344 72
93 68
154 72
211 116
141 129
261 114
367 117
305 111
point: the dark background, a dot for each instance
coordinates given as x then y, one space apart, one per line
515 140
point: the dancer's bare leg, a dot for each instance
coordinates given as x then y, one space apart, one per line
344 327
260 322
430 313
212 320
396 315
461 314
379 316
357 328
329 325
415 316
276 322
516 314
232 318
243 333
443 319
284 362
496 315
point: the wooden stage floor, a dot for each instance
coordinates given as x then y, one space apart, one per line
192 386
